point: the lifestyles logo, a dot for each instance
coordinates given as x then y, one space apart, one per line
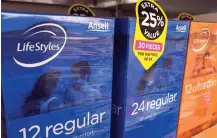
28 46
201 40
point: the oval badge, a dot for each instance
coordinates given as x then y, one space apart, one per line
201 40
152 21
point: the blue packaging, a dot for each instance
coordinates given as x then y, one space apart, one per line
146 102
57 75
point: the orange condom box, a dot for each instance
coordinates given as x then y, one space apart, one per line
198 110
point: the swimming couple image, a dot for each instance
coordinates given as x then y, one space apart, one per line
158 76
203 65
43 98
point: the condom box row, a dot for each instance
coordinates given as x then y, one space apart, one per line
147 102
59 79
57 75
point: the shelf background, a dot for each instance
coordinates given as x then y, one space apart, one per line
203 10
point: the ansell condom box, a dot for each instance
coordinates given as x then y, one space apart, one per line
146 102
57 75
198 113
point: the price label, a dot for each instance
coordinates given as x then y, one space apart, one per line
150 34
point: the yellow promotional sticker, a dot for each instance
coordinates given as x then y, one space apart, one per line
150 33
186 16
81 10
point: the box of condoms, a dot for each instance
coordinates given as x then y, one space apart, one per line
57 75
198 113
145 103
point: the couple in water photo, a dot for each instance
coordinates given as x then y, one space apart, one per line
157 77
203 65
43 98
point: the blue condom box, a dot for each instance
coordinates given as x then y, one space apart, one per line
57 75
145 103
